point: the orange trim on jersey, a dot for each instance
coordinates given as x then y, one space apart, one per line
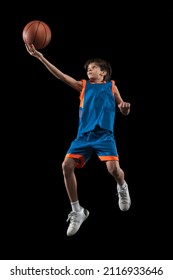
80 159
105 158
113 87
82 93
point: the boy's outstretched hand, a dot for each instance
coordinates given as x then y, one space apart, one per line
124 107
32 51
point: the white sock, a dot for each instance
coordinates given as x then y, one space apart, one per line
123 186
75 206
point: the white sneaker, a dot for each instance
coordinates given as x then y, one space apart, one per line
76 220
124 201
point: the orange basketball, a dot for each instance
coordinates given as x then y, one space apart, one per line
38 33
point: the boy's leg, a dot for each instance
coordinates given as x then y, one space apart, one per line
107 151
114 169
78 214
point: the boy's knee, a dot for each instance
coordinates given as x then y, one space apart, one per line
115 170
67 166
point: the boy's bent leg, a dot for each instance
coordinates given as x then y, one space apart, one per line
114 169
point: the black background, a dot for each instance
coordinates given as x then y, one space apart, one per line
41 120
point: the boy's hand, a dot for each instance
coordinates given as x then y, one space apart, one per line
124 107
32 51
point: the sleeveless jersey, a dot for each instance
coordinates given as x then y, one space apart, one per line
97 106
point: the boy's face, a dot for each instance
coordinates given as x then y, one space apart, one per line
95 73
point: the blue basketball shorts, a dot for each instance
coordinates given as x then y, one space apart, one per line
100 141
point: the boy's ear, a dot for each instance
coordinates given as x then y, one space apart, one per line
104 72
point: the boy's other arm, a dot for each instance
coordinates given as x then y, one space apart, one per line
123 106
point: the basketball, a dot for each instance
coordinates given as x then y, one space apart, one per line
38 33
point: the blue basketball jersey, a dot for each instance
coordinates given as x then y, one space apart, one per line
97 106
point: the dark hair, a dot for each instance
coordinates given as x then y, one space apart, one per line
103 64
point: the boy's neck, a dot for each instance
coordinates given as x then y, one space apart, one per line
95 81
